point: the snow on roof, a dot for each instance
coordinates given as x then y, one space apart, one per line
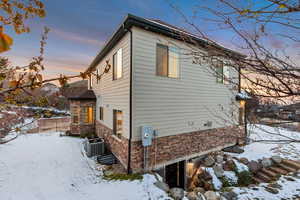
243 95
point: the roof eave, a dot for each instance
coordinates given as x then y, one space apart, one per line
132 20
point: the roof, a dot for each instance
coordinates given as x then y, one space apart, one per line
156 26
85 95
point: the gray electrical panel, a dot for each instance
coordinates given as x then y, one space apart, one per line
147 135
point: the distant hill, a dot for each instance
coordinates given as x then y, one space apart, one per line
49 89
74 88
81 83
56 96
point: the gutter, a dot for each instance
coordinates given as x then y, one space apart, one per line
129 171
145 24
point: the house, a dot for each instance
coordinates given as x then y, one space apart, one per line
155 106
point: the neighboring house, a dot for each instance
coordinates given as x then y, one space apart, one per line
82 107
143 77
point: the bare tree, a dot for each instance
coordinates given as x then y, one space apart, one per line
266 37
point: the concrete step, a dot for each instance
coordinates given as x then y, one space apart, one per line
278 170
291 163
287 168
269 172
264 177
258 180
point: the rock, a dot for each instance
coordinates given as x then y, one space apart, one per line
245 161
211 195
289 178
161 185
254 166
296 175
229 165
219 158
251 185
266 162
230 195
275 185
227 157
108 172
177 193
209 161
194 196
271 190
199 190
197 162
204 176
208 186
197 182
233 149
276 159
218 169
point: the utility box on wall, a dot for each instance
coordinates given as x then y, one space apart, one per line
147 135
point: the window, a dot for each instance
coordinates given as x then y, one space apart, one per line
75 114
167 61
100 113
226 73
88 114
219 71
118 122
117 65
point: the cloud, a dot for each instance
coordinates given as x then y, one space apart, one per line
75 37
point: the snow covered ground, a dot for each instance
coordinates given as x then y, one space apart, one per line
47 166
259 150
289 188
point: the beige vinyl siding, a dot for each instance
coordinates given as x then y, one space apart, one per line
176 105
114 94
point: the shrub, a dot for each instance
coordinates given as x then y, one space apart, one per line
244 178
123 177
227 182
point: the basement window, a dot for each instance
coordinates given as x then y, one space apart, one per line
167 61
118 123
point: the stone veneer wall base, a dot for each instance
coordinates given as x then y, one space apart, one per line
170 149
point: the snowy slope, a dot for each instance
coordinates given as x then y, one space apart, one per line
46 166
259 150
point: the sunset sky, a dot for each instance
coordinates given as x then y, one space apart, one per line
79 28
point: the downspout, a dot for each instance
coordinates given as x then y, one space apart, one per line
129 171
